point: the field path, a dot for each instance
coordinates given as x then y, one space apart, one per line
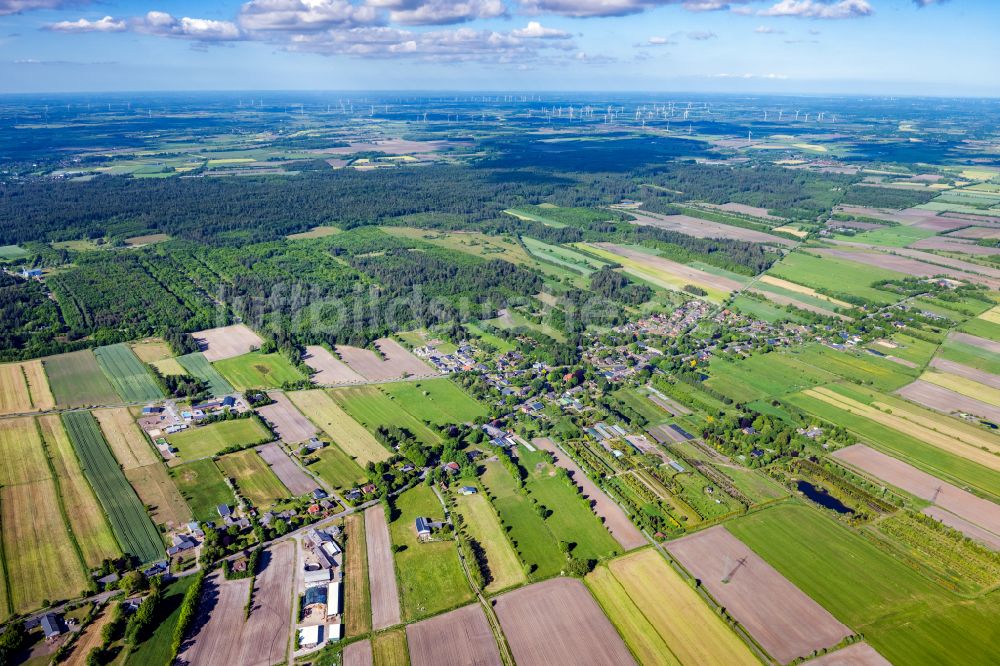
381 570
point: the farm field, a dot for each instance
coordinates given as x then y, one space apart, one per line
126 440
357 595
439 401
883 374
764 376
939 392
156 648
909 262
291 476
154 487
24 388
385 607
462 636
129 377
430 575
557 622
396 364
22 458
76 380
206 441
372 407
217 631
169 367
835 276
8 252
89 524
287 422
265 640
226 342
198 366
779 616
151 350
203 487
336 468
899 236
330 370
970 354
256 370
132 527
484 527
563 256
498 343
358 653
858 654
762 310
253 477
984 326
344 431
800 290
700 227
390 648
612 515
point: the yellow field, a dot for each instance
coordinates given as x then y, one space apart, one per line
127 441
151 349
810 146
792 230
966 387
694 633
992 315
347 433
169 366
153 486
958 446
485 528
24 388
964 432
390 649
90 527
22 459
799 289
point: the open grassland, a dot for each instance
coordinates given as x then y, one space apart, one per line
534 543
126 440
672 608
22 458
984 326
558 622
157 491
151 350
803 290
24 388
385 610
169 367
563 256
77 381
835 276
256 370
463 636
430 575
762 310
337 468
765 376
156 648
357 597
87 520
469 242
206 441
132 527
40 557
198 366
903 615
881 373
227 342
203 487
372 408
344 431
439 401
899 236
129 377
390 648
499 344
8 252
253 477
505 570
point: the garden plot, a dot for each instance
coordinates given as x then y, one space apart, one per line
227 342
290 474
287 422
330 370
779 616
462 636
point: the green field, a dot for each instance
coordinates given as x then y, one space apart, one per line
505 569
976 357
373 408
906 617
864 368
563 256
836 276
254 478
337 468
765 376
127 374
899 236
637 399
431 579
257 370
132 526
346 433
203 487
76 380
439 401
501 345
983 328
8 252
198 366
532 540
762 310
156 648
206 441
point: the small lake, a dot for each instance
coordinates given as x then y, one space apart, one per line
821 497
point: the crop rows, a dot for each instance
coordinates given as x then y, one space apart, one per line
127 374
132 527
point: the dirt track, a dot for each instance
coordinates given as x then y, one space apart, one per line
457 638
615 519
226 342
556 623
297 481
381 570
288 422
782 618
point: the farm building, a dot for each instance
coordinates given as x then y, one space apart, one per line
333 599
468 490
314 576
334 632
52 626
224 510
310 637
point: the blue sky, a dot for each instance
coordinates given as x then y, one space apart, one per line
906 47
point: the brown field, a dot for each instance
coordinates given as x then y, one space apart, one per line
612 515
971 530
24 388
462 636
227 342
359 654
149 239
218 634
155 488
801 289
90 639
699 228
330 370
290 474
663 433
286 421
127 442
975 374
151 350
557 622
743 209
780 617
858 654
895 472
397 364
952 245
909 265
976 341
984 220
381 570
976 233
947 401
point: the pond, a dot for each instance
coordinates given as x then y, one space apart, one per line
821 497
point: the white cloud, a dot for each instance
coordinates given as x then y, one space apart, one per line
701 35
768 30
106 24
590 8
202 30
439 12
304 15
819 9
535 30
928 3
8 7
777 77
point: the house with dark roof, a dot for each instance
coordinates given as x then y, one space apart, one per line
224 510
52 626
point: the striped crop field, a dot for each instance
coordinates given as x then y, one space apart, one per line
130 378
129 521
198 366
